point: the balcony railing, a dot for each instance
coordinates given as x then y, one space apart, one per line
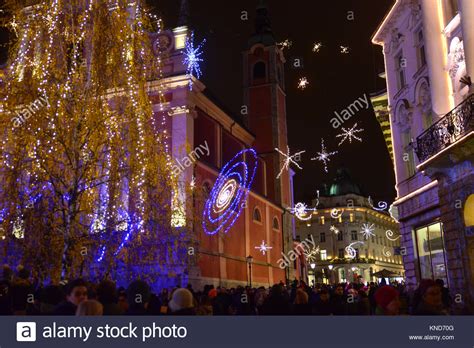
452 127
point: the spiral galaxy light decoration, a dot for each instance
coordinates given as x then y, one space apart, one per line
230 192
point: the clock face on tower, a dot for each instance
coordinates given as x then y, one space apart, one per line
163 43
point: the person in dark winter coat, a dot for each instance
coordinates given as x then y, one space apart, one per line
138 297
431 299
339 302
182 302
277 302
76 292
301 305
322 306
107 295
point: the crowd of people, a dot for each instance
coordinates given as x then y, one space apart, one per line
21 296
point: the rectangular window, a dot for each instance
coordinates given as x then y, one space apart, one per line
400 65
324 255
322 220
341 253
373 239
420 48
354 235
351 217
322 237
430 248
408 149
340 236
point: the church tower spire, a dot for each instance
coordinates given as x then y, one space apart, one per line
183 14
263 26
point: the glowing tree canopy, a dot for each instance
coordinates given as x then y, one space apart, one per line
84 161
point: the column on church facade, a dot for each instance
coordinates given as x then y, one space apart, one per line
467 21
436 54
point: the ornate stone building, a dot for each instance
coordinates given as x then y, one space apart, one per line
429 60
336 226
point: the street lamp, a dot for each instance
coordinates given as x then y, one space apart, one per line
313 265
249 261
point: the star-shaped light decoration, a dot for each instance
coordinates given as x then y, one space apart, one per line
263 248
367 230
14 25
303 83
317 46
334 229
288 159
285 44
311 253
344 49
192 57
324 156
349 134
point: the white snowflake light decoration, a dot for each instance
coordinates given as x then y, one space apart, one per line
344 49
367 230
303 83
334 229
192 57
324 156
288 159
263 248
349 134
302 211
285 44
311 253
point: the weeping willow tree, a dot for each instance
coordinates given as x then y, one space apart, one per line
85 167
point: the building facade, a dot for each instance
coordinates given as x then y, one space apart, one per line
342 213
195 119
428 47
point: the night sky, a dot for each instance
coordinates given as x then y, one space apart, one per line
336 80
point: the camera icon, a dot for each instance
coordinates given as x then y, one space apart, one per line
26 332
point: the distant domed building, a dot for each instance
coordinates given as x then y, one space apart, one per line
351 235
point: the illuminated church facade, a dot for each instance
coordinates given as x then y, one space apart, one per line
204 138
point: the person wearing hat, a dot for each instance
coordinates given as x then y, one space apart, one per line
388 301
430 298
182 302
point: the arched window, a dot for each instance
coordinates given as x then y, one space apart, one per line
276 224
469 211
257 216
259 70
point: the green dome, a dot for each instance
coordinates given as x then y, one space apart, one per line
343 184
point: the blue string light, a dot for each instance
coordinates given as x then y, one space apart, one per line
230 192
192 57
